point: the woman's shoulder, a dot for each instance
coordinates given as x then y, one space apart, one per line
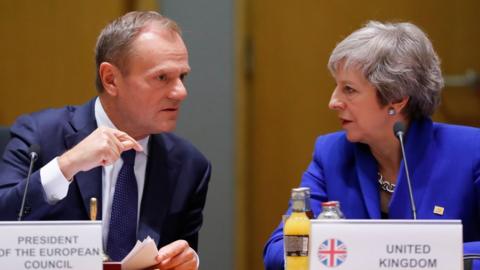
458 136
335 141
457 131
336 138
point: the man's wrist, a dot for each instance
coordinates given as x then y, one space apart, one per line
65 165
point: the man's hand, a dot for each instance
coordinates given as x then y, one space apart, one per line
102 147
177 256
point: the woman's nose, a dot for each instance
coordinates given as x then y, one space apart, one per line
335 103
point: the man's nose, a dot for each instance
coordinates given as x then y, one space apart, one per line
179 91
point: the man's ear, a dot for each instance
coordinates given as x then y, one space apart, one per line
400 105
110 76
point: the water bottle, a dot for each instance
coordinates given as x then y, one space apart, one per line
331 210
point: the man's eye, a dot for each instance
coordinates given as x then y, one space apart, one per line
183 76
162 77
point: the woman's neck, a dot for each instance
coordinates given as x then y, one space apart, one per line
387 153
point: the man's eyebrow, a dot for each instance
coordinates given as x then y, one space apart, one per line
170 70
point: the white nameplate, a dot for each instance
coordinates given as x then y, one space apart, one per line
51 245
386 244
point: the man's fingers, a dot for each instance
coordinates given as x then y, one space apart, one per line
128 141
171 250
101 148
186 260
127 145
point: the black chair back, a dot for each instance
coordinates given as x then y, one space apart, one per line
4 138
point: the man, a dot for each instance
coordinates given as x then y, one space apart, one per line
117 148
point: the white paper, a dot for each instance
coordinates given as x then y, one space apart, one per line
141 256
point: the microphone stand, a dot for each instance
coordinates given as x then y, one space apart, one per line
399 130
33 158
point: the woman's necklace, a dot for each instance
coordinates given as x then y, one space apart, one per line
385 185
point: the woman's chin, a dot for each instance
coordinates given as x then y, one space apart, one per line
353 138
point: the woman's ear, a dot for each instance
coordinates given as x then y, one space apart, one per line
110 76
398 106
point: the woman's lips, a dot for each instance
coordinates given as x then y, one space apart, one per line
345 122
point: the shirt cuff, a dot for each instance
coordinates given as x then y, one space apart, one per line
54 182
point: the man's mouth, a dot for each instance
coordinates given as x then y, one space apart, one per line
172 109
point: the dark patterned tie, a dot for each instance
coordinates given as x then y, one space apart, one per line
122 233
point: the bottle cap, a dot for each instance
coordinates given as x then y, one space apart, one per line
305 190
298 194
330 203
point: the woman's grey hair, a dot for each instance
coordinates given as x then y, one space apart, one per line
115 40
399 60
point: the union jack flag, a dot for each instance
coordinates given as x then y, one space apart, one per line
332 252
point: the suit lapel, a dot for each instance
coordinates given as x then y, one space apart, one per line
417 141
89 183
162 170
366 168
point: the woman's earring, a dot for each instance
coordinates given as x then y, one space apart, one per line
391 111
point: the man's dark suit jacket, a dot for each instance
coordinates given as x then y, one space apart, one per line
176 179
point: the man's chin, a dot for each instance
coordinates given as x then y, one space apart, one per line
167 127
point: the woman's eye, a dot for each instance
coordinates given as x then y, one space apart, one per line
349 89
162 77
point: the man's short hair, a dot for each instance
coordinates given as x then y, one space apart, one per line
114 43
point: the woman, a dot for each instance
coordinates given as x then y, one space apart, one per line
387 73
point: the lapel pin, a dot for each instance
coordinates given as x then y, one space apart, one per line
438 210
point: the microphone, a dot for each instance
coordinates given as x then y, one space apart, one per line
33 151
399 131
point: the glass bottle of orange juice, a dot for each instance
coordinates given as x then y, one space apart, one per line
296 232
